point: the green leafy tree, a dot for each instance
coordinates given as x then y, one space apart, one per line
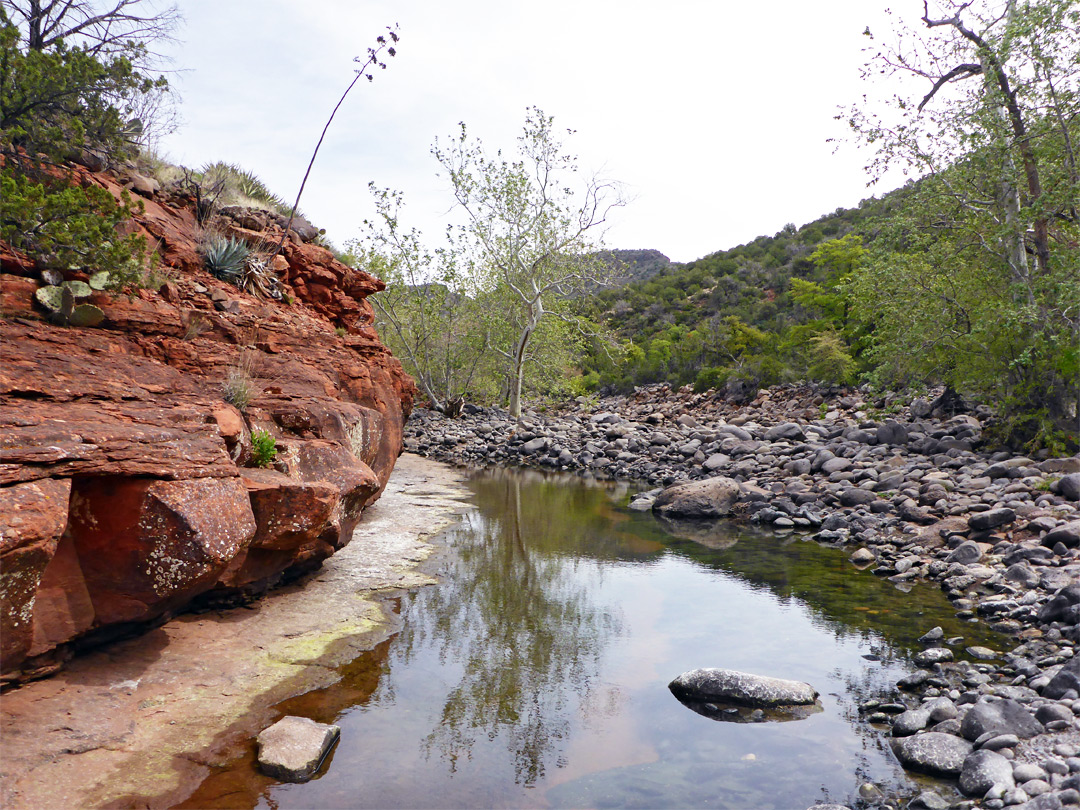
429 313
974 281
532 226
51 102
113 33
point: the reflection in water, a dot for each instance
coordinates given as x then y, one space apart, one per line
736 713
525 633
535 674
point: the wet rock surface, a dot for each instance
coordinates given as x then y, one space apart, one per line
731 686
913 492
294 747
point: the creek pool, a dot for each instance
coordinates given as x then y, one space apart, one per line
535 674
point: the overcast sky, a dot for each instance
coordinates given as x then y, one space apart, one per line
714 114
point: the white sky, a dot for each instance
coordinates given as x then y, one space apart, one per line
714 114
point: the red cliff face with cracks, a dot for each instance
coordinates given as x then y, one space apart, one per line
128 485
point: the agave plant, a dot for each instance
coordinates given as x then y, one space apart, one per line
251 186
241 186
226 258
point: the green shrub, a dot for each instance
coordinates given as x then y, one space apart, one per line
263 448
70 227
710 378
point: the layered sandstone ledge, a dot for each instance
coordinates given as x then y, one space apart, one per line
128 487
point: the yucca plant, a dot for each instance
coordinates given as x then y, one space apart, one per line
225 257
259 280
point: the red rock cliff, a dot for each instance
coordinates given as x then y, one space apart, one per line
127 487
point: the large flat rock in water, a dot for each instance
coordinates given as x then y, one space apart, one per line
294 747
731 686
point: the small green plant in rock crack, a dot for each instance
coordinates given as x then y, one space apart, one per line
1046 484
263 448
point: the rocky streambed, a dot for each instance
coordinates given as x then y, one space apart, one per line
905 483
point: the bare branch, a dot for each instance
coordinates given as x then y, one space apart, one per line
958 72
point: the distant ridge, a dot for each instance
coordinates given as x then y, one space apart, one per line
635 265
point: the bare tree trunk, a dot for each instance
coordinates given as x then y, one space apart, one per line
536 312
994 73
517 373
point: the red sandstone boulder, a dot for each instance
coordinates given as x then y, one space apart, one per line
32 518
147 546
356 483
294 520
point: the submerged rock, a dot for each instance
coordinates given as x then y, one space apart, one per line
728 712
741 688
294 747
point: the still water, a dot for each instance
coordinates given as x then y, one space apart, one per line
535 674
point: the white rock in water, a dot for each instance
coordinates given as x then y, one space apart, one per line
742 688
293 748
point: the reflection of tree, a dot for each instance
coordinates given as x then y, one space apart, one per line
526 634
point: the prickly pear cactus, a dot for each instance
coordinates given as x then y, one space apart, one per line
61 304
86 315
100 280
80 289
50 297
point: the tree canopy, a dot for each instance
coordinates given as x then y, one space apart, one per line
974 283
505 283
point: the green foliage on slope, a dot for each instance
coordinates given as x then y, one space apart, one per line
760 313
53 102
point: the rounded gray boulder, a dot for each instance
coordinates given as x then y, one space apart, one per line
708 498
932 752
983 770
732 686
1000 716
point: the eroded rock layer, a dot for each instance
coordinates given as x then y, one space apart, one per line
129 486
